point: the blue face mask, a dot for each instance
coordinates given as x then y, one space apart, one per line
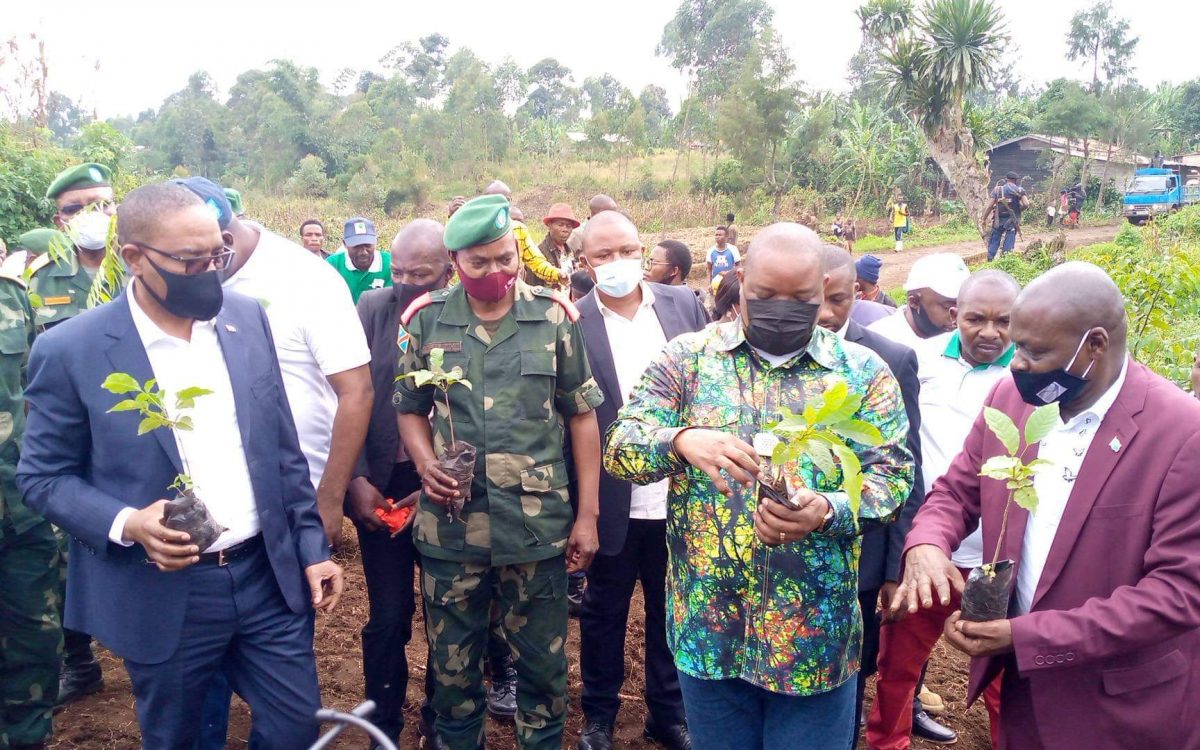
1040 388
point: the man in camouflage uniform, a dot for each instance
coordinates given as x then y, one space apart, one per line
58 289
521 350
30 629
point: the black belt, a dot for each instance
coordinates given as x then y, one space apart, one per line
236 552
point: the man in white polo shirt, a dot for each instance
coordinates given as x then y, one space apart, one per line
932 288
957 371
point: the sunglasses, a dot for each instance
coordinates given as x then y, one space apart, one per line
193 265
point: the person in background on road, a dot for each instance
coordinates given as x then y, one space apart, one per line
669 263
324 367
626 322
721 257
245 604
1050 215
868 268
359 265
731 230
420 264
1008 201
899 210
30 624
598 203
1063 206
516 540
60 282
879 557
1104 619
775 672
560 221
932 288
958 370
312 237
1075 197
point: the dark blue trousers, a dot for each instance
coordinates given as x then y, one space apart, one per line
237 622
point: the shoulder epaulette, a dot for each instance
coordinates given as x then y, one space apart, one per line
420 303
17 279
39 263
563 301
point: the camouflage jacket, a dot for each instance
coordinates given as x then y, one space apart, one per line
16 334
59 289
527 379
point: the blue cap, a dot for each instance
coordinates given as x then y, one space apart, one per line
213 195
867 268
359 231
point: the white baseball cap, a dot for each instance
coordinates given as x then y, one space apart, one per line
943 273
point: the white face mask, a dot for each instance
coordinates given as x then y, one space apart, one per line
89 229
619 277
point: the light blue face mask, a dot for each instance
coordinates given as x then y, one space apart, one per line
619 277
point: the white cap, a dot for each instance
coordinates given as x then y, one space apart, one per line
943 273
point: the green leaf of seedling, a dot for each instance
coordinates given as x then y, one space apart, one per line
466 383
999 467
848 408
1037 465
186 399
35 300
1040 423
858 431
1003 428
831 401
119 383
183 423
128 404
781 454
820 454
148 424
809 415
852 486
1027 498
436 357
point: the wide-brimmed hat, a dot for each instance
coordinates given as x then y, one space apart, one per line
561 211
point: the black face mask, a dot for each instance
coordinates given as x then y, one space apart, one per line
779 326
925 325
1040 388
195 297
407 293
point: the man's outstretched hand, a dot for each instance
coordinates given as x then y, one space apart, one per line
711 451
927 571
325 582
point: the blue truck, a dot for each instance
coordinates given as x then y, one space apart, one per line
1159 191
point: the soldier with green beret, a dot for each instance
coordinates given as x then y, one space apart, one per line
58 289
61 282
30 624
34 243
517 537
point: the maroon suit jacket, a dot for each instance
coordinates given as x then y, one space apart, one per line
1109 654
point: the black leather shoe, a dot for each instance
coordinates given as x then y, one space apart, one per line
76 682
595 737
673 736
429 739
502 693
925 727
575 587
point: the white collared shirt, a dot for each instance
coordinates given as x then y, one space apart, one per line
895 327
316 329
1066 446
635 344
212 451
952 395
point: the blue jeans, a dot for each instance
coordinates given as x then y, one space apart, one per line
727 714
1002 239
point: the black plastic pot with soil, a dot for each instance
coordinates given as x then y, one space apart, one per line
985 595
189 514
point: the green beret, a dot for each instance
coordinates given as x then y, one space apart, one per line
80 176
480 221
38 241
235 201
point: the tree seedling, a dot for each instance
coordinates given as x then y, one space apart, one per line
457 458
186 512
985 596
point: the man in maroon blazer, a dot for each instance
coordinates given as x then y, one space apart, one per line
1102 645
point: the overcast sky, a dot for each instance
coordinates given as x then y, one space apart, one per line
146 50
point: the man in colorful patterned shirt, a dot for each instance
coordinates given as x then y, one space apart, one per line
763 618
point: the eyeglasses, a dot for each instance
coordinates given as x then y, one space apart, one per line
648 263
218 260
74 208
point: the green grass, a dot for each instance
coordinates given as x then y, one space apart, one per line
920 236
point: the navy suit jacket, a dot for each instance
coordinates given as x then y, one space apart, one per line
679 311
80 466
882 546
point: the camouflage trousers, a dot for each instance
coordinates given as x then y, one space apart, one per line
532 603
30 635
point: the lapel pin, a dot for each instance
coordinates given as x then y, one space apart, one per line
233 329
1115 445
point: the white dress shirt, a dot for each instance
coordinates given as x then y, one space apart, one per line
952 395
316 330
1066 446
211 451
895 327
635 344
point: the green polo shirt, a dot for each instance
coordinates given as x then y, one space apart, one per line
378 276
954 351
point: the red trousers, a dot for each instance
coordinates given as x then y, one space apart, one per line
904 646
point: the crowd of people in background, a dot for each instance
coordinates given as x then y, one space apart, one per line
530 430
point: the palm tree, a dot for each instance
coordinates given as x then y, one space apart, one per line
951 49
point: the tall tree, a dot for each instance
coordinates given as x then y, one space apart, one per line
930 68
1099 37
552 97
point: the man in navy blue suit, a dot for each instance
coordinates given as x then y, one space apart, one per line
174 612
